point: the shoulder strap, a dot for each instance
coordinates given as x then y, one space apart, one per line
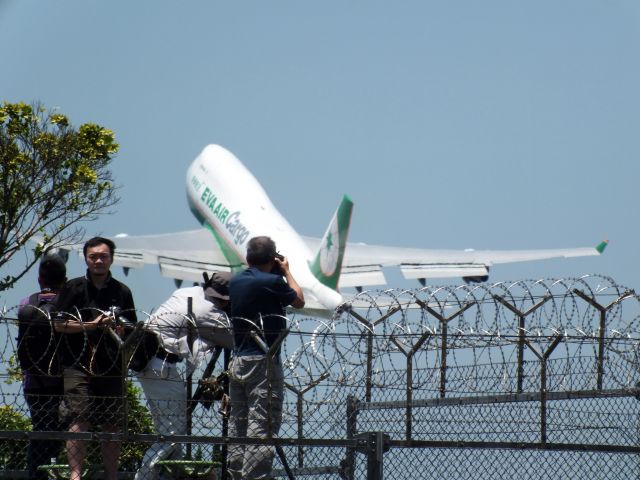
34 299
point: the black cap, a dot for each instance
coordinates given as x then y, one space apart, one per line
217 286
52 269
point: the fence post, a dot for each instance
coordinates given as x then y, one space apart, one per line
370 327
352 426
190 340
602 328
409 379
377 445
225 417
521 332
299 409
444 322
543 383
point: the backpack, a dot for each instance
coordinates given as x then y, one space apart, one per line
145 351
36 338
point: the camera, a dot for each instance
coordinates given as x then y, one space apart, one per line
119 319
276 267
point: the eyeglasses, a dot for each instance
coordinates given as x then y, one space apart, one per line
94 257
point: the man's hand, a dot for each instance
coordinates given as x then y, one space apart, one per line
283 264
71 325
102 321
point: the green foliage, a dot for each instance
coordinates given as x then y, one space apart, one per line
14 372
52 176
13 453
140 421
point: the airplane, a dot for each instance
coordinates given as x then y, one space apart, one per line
232 207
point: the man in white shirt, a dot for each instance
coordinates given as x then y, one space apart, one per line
161 381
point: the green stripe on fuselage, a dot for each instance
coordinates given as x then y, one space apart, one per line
235 262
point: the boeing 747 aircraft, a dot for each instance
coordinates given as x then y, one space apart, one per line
232 207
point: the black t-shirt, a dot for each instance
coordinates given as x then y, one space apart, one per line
93 351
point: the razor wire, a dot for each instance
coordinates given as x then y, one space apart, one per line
496 349
471 329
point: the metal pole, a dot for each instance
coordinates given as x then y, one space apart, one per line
543 384
190 375
225 418
375 456
299 409
444 322
370 327
409 380
521 335
601 333
352 426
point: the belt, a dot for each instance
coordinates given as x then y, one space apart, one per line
162 354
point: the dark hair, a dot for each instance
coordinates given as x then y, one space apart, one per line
52 271
95 241
260 250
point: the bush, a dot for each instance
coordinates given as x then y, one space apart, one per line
13 453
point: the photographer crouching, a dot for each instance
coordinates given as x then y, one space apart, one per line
165 344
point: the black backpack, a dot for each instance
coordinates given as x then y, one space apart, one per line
147 348
36 339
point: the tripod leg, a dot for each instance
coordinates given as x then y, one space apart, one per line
283 459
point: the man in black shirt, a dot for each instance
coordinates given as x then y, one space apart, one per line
93 376
41 376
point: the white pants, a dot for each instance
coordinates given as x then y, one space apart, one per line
166 394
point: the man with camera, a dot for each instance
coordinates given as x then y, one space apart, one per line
88 308
171 335
258 296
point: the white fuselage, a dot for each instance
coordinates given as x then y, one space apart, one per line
229 199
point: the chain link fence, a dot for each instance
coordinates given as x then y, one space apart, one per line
535 378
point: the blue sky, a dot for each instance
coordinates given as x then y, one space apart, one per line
494 124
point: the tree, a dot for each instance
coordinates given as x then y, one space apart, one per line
52 176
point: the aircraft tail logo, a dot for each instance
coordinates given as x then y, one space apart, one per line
327 263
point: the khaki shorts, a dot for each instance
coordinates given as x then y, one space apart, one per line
97 400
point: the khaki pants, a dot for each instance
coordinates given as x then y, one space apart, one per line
254 414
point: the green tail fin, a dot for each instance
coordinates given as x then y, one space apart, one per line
327 263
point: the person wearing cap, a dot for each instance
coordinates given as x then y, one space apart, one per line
259 296
163 385
41 376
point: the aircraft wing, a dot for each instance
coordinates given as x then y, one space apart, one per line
185 255
362 263
180 255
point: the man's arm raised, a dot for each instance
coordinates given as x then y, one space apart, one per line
284 265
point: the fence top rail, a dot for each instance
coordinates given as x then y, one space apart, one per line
503 398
